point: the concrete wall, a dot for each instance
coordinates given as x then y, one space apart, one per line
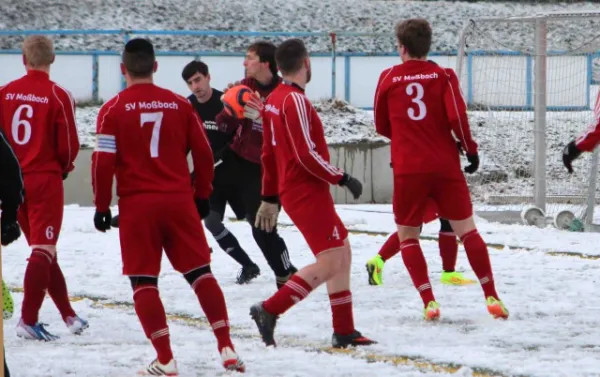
369 163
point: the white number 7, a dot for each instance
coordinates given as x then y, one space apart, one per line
155 118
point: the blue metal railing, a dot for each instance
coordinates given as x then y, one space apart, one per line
332 36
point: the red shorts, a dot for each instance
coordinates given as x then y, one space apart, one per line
149 223
41 214
413 193
312 211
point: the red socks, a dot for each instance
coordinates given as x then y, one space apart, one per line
448 250
294 291
37 277
390 248
479 258
151 313
213 304
415 263
341 310
57 289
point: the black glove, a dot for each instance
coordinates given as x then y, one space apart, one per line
352 184
570 153
203 207
9 228
102 220
473 163
65 175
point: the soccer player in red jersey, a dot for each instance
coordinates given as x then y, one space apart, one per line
297 171
418 105
240 166
586 142
38 119
144 134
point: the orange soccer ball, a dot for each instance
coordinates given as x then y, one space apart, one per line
235 99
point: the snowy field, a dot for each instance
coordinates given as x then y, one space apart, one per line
554 329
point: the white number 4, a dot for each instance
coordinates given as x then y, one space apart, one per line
415 90
336 233
155 118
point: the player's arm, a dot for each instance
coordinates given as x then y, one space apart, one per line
456 110
270 180
202 157
296 114
380 107
589 140
11 181
104 158
66 129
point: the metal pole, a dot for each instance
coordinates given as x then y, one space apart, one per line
333 54
591 198
539 194
462 41
95 75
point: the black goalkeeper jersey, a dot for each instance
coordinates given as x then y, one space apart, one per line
217 137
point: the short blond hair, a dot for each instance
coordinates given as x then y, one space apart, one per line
38 51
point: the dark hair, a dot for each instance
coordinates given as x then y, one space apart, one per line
290 56
193 67
139 58
415 35
266 53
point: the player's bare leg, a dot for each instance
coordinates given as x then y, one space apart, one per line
415 263
35 284
479 258
212 301
331 264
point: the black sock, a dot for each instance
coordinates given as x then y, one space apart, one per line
231 246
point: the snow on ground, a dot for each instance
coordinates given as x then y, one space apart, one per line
553 329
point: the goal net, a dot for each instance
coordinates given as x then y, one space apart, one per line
531 85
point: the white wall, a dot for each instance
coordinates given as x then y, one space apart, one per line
496 80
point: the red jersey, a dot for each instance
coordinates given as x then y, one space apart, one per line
418 105
295 153
38 118
591 138
248 139
143 136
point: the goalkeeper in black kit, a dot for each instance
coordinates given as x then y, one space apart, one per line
207 102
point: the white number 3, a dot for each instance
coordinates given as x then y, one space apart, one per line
155 118
415 90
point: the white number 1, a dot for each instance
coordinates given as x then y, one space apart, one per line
272 133
417 97
155 118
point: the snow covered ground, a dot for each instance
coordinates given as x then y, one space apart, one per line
554 329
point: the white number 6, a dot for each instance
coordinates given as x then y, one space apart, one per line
417 97
18 123
50 232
